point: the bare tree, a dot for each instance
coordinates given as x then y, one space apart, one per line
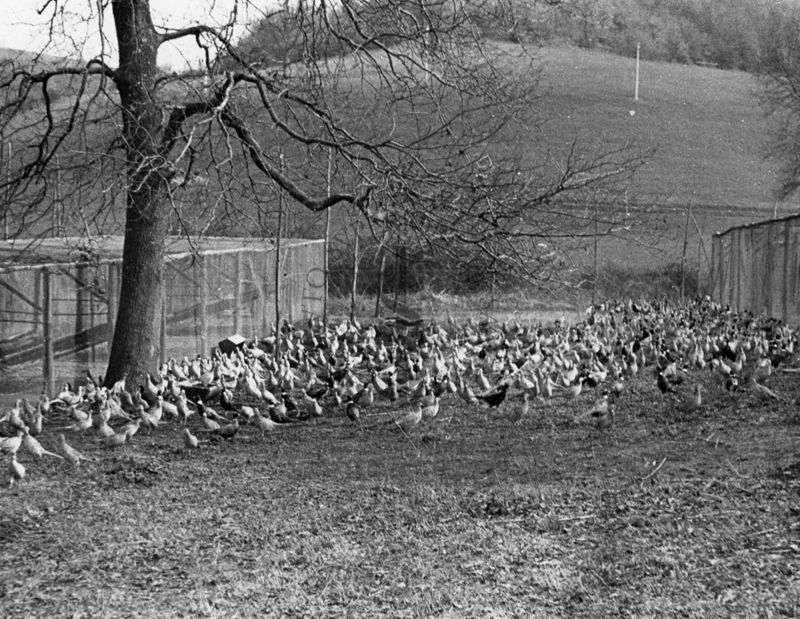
410 96
780 95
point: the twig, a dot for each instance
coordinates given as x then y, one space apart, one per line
408 437
655 470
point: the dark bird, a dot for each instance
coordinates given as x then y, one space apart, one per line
663 384
229 430
351 408
226 431
494 398
226 401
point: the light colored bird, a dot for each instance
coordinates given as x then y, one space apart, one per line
82 425
36 420
14 416
313 407
430 406
483 383
147 418
466 393
762 391
182 405
16 472
116 439
209 424
69 452
132 427
248 412
35 448
169 409
265 424
11 444
693 401
104 430
189 440
410 419
520 409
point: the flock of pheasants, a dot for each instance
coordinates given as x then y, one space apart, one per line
348 368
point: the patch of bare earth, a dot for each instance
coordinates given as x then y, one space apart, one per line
468 516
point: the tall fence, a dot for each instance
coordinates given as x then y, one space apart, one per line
756 268
57 318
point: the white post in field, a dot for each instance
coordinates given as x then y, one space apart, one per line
636 86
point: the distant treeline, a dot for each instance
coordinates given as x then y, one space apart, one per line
728 34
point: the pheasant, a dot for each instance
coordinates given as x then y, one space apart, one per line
227 431
16 471
693 401
35 448
495 398
117 439
352 411
520 410
69 452
265 424
602 414
189 440
11 444
430 406
410 419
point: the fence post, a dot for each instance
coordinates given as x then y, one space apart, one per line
47 324
203 286
355 276
767 269
786 278
237 292
737 260
683 253
753 272
380 282
716 293
81 339
111 301
162 340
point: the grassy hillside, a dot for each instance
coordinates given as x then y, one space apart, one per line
705 125
706 131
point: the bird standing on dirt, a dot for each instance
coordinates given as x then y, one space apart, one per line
116 439
16 472
410 419
602 414
11 444
226 431
352 411
189 440
265 424
69 452
494 398
762 391
81 425
520 409
663 384
692 402
35 448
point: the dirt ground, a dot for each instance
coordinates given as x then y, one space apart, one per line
468 515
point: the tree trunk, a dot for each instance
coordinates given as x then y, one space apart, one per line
135 347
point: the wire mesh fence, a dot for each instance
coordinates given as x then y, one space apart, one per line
755 268
57 318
